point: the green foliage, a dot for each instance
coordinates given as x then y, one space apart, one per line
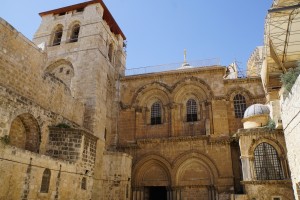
289 78
62 125
5 139
271 125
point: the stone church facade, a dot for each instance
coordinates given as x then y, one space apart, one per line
74 126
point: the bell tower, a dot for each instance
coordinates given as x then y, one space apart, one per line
85 51
84 45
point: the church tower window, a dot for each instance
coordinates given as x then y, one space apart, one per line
57 35
75 33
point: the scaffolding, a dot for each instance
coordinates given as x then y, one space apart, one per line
281 42
282 35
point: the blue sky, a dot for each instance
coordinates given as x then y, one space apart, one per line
158 31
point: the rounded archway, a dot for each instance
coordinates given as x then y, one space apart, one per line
194 172
25 133
152 171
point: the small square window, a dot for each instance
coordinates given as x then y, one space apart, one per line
276 198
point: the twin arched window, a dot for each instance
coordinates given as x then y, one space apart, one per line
191 110
156 113
239 102
45 181
58 33
266 162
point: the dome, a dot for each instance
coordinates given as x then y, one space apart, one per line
256 109
185 65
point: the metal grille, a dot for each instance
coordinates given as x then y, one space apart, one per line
155 114
45 181
191 110
239 105
266 163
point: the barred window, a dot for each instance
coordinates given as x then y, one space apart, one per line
191 110
83 183
239 105
45 181
266 162
75 33
155 113
57 35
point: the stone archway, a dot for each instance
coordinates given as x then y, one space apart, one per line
151 179
25 133
195 176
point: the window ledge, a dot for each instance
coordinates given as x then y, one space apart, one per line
267 182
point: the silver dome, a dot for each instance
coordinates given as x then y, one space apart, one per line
256 109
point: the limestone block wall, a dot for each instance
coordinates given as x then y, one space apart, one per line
116 176
21 175
95 81
190 167
13 106
269 190
74 145
251 89
290 120
215 115
21 71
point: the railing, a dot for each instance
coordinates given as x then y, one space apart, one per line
172 66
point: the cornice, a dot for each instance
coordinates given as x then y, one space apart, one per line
197 70
286 182
242 80
258 131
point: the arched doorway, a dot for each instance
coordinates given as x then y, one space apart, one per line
151 180
195 177
25 133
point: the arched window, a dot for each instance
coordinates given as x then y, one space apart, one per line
155 113
83 183
191 110
25 133
57 35
266 162
46 181
75 33
239 102
110 52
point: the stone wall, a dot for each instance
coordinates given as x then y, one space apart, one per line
214 97
21 175
116 176
269 189
74 145
21 71
190 167
291 119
